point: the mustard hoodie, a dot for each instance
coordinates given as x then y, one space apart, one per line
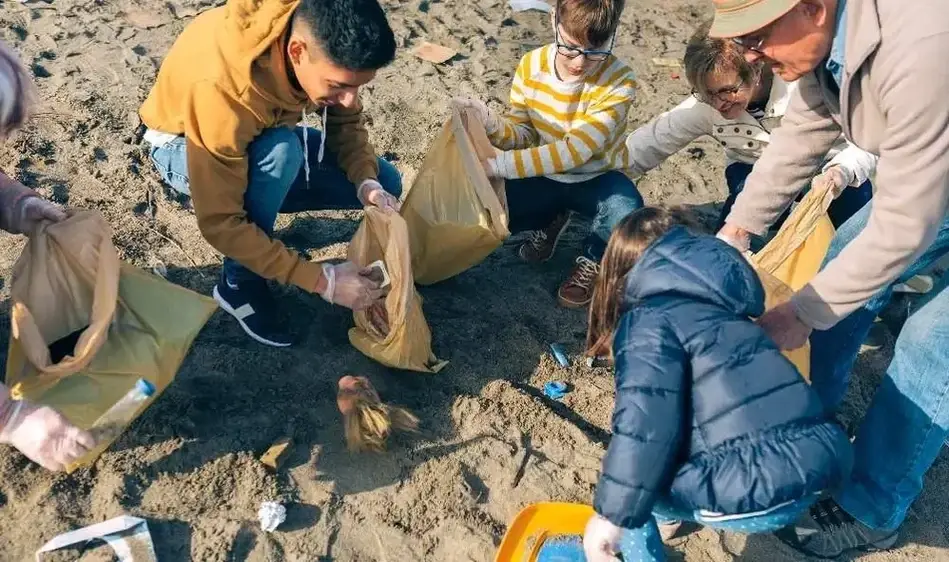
223 83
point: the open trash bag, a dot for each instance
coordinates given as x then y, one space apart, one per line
85 327
395 334
456 216
793 257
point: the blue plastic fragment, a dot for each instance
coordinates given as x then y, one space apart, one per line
559 354
555 390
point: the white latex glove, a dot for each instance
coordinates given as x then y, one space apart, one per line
33 210
834 180
371 192
488 118
601 540
349 285
43 434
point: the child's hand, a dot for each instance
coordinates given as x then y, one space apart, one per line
486 116
601 540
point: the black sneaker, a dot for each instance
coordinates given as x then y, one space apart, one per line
828 531
254 307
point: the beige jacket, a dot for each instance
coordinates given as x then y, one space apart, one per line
744 138
892 103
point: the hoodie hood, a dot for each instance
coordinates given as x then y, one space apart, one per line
250 30
699 267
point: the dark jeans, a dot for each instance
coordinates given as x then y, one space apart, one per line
534 203
844 207
276 181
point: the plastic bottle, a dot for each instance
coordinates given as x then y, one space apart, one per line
116 418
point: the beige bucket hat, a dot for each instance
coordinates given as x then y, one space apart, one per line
734 18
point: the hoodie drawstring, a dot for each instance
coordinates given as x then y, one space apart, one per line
306 146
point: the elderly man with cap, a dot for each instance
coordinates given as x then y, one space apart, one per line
875 70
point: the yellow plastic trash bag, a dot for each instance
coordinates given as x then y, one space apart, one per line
456 216
130 324
793 257
397 334
796 252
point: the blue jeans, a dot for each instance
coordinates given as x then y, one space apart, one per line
644 544
534 203
844 207
908 420
276 181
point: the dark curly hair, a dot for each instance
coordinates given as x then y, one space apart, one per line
353 33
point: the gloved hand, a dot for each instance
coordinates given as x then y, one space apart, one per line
42 434
371 192
488 118
34 210
349 285
601 540
834 180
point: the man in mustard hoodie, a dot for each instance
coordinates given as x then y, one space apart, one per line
222 123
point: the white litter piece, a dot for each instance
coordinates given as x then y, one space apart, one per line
128 536
525 5
271 515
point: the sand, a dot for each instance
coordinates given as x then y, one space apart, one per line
488 445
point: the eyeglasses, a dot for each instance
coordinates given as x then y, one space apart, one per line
723 94
571 52
755 41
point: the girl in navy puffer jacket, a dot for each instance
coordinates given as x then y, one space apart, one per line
711 423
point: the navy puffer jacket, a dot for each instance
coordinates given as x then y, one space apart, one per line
709 414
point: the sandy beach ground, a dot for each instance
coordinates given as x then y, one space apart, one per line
489 444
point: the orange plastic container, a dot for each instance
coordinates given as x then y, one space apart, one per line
536 523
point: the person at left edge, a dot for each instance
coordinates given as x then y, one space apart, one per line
222 124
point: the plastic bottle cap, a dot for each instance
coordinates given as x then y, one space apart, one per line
145 387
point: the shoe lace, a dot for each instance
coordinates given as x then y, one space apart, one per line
537 239
585 273
829 516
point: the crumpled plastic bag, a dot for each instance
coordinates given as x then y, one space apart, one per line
793 257
456 216
396 333
85 327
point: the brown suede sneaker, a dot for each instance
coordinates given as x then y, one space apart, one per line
577 290
542 243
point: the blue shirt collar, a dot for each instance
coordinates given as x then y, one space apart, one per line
835 61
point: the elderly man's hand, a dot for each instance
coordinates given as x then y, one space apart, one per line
736 236
784 327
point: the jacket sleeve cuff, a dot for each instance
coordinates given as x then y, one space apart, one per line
812 310
306 275
858 165
503 165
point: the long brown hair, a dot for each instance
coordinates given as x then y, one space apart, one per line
629 240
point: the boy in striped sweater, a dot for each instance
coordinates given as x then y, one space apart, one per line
561 142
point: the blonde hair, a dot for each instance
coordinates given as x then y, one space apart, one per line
369 422
16 92
631 237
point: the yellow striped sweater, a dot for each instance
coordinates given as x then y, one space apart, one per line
567 131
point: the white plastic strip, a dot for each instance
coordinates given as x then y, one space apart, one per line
128 536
